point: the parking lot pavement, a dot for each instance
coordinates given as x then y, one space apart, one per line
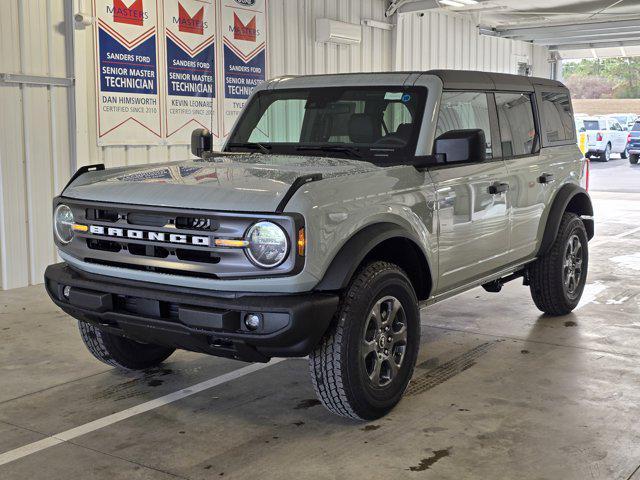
616 175
499 392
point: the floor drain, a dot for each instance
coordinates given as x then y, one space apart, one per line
444 372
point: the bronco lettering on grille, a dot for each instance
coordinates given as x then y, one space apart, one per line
201 241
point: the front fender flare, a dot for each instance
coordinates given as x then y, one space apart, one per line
354 251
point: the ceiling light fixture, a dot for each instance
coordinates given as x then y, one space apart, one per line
451 3
468 2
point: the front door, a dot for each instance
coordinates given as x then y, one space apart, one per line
473 218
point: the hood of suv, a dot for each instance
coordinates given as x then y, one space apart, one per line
241 183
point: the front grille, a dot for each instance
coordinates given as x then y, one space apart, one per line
102 214
171 241
147 250
148 268
197 223
104 245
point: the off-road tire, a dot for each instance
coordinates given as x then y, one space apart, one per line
606 154
337 369
121 352
633 159
546 274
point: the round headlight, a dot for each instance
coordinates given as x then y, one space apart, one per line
63 223
268 244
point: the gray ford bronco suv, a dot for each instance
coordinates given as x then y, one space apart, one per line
339 206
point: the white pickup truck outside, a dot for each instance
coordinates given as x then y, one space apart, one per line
605 136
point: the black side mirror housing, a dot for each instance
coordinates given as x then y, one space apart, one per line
461 146
201 141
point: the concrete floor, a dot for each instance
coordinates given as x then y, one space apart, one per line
500 392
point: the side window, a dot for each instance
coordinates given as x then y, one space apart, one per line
557 120
465 110
517 127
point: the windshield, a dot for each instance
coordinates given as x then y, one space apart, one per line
380 123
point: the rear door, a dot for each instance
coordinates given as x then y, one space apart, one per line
520 142
473 222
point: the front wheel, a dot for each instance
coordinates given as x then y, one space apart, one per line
364 363
624 154
121 352
558 277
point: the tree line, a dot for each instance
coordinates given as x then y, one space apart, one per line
603 78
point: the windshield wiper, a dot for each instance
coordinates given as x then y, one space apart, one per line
252 145
353 151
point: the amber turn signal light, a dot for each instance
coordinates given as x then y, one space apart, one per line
302 242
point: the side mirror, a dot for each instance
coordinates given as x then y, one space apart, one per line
457 146
201 141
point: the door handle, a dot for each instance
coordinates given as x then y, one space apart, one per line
498 188
546 178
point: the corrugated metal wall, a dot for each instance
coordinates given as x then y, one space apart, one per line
35 136
438 39
293 49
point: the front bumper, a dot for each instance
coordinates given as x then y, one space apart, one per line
193 319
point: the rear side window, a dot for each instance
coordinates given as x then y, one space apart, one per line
517 126
557 120
636 127
591 125
465 110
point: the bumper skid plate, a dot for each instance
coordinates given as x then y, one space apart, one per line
196 320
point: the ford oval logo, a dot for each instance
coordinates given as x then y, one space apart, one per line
248 3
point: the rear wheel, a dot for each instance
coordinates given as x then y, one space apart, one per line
121 352
633 159
558 277
606 155
364 363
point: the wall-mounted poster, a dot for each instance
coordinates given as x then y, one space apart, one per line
126 53
244 39
190 27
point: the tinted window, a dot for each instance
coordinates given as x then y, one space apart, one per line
592 125
465 110
636 127
517 127
557 120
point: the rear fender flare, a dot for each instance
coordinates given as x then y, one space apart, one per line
570 198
